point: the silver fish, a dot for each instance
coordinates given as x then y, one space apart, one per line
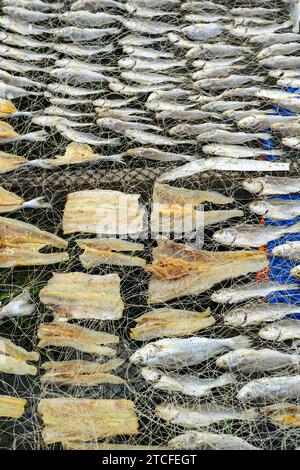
252 236
216 62
215 72
148 78
136 89
281 331
145 12
137 40
240 92
285 73
11 92
84 138
65 112
22 41
74 33
125 114
88 19
256 360
244 31
78 75
203 31
19 27
157 155
16 66
195 7
250 20
272 185
259 11
203 415
207 51
292 142
237 151
147 52
135 63
95 5
38 136
21 305
236 115
112 103
73 50
177 353
278 49
250 314
261 122
148 138
27 56
119 126
195 129
279 38
54 121
280 61
185 384
194 440
141 25
186 115
274 95
294 10
35 5
18 81
289 82
252 290
220 136
276 209
220 106
227 82
205 18
289 250
65 89
179 42
73 63
28 15
271 389
58 101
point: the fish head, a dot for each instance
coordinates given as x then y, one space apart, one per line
236 317
151 374
167 412
144 355
222 361
253 185
295 271
226 236
270 332
127 62
259 207
248 392
222 296
248 122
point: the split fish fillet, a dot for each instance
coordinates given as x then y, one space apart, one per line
11 407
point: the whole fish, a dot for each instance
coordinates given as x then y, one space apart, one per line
283 73
281 331
75 75
141 25
252 290
275 38
271 389
148 138
84 138
157 155
138 40
240 92
65 112
261 122
227 82
20 54
149 78
203 31
276 209
292 82
54 121
146 12
274 94
28 15
35 5
215 72
290 129
73 50
252 236
178 353
220 106
179 42
112 103
280 61
65 89
130 90
24 28
147 52
237 115
294 10
161 105
10 92
272 185
16 66
124 114
278 49
95 5
289 250
237 151
250 21
216 62
207 51
250 314
245 32
195 129
186 115
22 41
185 384
205 18
18 81
116 125
194 440
76 34
88 19
259 11
220 136
256 360
67 62
203 415
135 63
59 101
196 6
292 142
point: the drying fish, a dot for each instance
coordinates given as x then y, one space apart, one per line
294 11
156 154
280 61
220 136
147 52
88 19
217 63
10 202
65 89
184 384
165 194
203 415
119 126
220 106
241 93
289 129
276 209
194 440
76 153
216 217
11 407
161 105
22 41
259 11
186 115
107 103
65 112
77 75
18 54
21 305
59 101
271 389
8 109
166 322
237 115
19 27
55 121
35 5
278 49
176 353
216 71
206 51
282 330
279 38
203 31
250 314
17 66
76 34
237 151
283 73
262 122
80 373
253 290
135 63
223 164
205 18
27 15
292 142
18 81
13 359
195 7
245 32
83 296
109 446
148 138
84 138
149 78
127 115
138 40
289 250
103 212
195 129
256 360
124 89
99 251
223 83
11 92
81 64
141 25
73 50
178 270
252 236
11 162
284 415
83 419
144 12
95 5
66 335
251 20
272 185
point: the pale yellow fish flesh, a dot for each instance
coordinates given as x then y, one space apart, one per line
103 212
283 414
81 419
9 202
10 162
170 322
7 131
7 108
11 407
80 295
178 270
108 446
13 358
104 251
75 153
84 339
12 257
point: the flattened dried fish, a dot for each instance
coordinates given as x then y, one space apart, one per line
251 314
271 389
166 322
99 251
11 407
10 202
184 384
66 335
176 353
156 154
83 419
284 415
76 153
11 162
28 255
83 296
194 440
282 330
13 359
252 290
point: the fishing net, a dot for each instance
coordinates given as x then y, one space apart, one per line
132 175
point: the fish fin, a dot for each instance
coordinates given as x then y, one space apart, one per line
240 342
36 203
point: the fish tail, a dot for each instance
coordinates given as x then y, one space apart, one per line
38 136
250 415
36 203
239 342
20 305
227 378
